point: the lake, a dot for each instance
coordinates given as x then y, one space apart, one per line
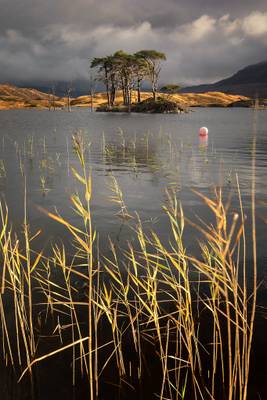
147 155
138 163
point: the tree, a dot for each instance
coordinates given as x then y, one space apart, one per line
52 100
126 68
170 88
153 60
123 71
69 90
108 74
141 74
104 65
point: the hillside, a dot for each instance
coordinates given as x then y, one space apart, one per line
12 97
250 81
213 99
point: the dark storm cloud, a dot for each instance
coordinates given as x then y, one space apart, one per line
204 40
30 15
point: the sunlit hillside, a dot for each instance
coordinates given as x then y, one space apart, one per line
12 97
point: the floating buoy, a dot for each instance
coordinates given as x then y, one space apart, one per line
203 131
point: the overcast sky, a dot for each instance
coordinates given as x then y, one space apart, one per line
204 40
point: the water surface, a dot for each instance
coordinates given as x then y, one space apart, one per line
147 155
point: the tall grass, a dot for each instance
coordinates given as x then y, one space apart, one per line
152 303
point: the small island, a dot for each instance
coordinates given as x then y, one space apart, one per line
126 72
160 105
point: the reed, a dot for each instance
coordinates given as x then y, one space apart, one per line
154 299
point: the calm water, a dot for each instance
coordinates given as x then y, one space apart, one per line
147 154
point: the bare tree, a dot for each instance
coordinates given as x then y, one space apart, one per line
68 94
52 98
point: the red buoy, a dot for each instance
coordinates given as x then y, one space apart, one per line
203 131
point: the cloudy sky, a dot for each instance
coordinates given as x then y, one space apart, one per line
204 40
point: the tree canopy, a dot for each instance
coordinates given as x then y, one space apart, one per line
170 88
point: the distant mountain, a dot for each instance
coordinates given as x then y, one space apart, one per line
250 81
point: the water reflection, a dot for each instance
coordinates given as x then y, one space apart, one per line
146 154
203 141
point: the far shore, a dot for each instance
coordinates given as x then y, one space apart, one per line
12 97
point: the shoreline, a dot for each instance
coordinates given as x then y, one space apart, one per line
12 97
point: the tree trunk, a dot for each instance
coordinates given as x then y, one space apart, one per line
124 94
112 90
154 91
154 86
107 87
129 100
92 100
112 94
138 91
107 91
68 99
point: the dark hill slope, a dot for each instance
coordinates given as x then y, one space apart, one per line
250 81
